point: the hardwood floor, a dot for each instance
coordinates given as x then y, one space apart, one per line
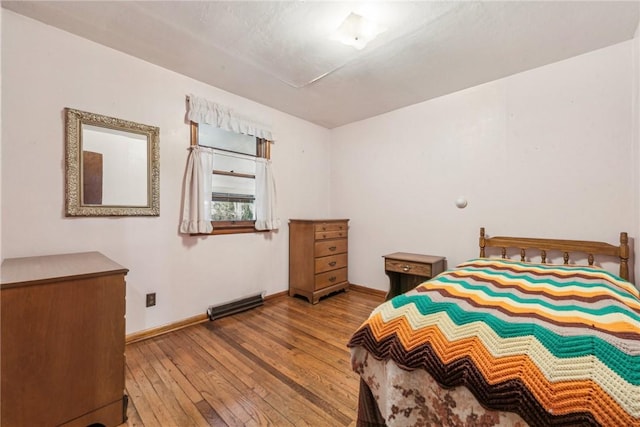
282 364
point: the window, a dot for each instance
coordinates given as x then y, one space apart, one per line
233 176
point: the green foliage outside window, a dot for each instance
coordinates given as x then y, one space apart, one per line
232 211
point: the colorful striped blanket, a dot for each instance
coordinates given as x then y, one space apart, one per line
559 345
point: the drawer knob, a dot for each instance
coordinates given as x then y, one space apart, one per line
332 263
324 236
332 279
332 248
406 268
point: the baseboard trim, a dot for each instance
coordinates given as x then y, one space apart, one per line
160 330
201 318
366 290
180 324
276 295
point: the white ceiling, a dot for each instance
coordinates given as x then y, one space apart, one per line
280 53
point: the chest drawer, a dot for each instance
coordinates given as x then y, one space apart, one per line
408 267
331 278
330 226
327 263
330 247
336 234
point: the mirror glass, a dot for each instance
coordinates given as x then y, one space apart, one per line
112 166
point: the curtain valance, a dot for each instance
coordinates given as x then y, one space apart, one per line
202 110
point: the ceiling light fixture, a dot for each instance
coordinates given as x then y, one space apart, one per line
357 31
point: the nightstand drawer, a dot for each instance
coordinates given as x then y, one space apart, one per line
330 247
322 235
331 278
408 267
331 226
327 263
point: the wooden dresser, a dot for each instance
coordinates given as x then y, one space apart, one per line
317 257
62 341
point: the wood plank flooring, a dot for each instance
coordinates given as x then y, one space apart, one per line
282 364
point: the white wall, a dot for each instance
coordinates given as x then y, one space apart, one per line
45 70
635 120
1 73
547 152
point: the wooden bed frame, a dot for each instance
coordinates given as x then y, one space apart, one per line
565 246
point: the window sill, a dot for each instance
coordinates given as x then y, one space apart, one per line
231 227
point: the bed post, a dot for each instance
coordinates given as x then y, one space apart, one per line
482 242
624 256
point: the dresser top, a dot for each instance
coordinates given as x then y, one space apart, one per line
319 220
54 268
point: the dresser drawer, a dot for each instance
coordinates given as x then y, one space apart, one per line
330 247
331 226
334 262
331 278
408 267
322 235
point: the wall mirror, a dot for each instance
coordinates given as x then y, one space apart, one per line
112 166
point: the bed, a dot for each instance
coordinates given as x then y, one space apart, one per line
497 341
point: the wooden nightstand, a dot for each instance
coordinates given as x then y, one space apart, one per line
406 271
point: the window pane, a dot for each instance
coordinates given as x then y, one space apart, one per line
215 137
233 184
232 211
226 162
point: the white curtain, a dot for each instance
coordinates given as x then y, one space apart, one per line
202 110
265 204
196 211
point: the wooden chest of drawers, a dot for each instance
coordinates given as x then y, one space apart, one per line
318 257
63 336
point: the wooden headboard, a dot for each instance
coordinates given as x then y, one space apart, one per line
565 246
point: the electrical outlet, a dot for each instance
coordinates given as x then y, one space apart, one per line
151 299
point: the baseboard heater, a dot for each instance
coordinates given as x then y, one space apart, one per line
236 306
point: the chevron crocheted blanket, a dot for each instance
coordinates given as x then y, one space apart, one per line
559 345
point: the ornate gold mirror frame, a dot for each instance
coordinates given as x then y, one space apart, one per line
112 166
